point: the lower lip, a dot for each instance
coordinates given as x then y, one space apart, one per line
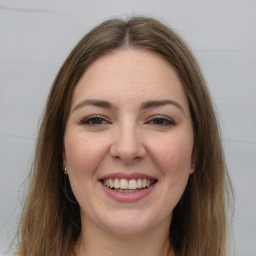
128 197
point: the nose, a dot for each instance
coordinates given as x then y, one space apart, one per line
127 145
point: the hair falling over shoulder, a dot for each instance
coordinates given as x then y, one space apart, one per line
50 223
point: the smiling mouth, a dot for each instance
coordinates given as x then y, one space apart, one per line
128 186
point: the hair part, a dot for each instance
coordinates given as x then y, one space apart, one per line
50 223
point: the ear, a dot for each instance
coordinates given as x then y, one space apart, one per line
192 166
193 163
64 159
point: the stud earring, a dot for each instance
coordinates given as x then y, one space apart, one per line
65 170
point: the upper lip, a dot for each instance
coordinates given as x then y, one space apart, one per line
127 176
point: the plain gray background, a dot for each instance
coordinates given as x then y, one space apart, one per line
35 38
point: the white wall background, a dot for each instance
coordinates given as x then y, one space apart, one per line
35 38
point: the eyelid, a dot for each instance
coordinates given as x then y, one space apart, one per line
168 119
91 117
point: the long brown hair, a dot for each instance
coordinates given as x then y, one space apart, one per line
50 223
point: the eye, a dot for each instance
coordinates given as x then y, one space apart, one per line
161 121
94 121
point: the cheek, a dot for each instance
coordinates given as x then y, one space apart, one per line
174 161
83 154
174 155
83 157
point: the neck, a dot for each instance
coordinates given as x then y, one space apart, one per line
94 241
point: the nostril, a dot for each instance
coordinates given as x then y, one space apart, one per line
127 153
127 145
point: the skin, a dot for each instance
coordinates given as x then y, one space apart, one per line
127 138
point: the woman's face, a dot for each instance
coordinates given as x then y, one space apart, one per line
128 142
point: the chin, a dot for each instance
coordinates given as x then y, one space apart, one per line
126 230
128 224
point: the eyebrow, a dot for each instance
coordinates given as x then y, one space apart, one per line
96 103
159 103
144 105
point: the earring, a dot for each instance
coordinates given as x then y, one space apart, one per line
65 170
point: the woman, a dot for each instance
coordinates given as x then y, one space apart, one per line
129 159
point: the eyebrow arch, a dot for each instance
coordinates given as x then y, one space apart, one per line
96 103
144 105
159 103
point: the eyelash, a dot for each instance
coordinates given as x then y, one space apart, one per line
161 121
94 120
99 120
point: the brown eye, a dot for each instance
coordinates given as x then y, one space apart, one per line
161 121
94 120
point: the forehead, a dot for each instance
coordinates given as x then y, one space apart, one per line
130 74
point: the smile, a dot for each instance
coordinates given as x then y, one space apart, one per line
128 185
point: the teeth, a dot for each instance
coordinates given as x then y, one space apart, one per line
111 183
132 184
124 184
144 183
139 183
116 183
127 186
